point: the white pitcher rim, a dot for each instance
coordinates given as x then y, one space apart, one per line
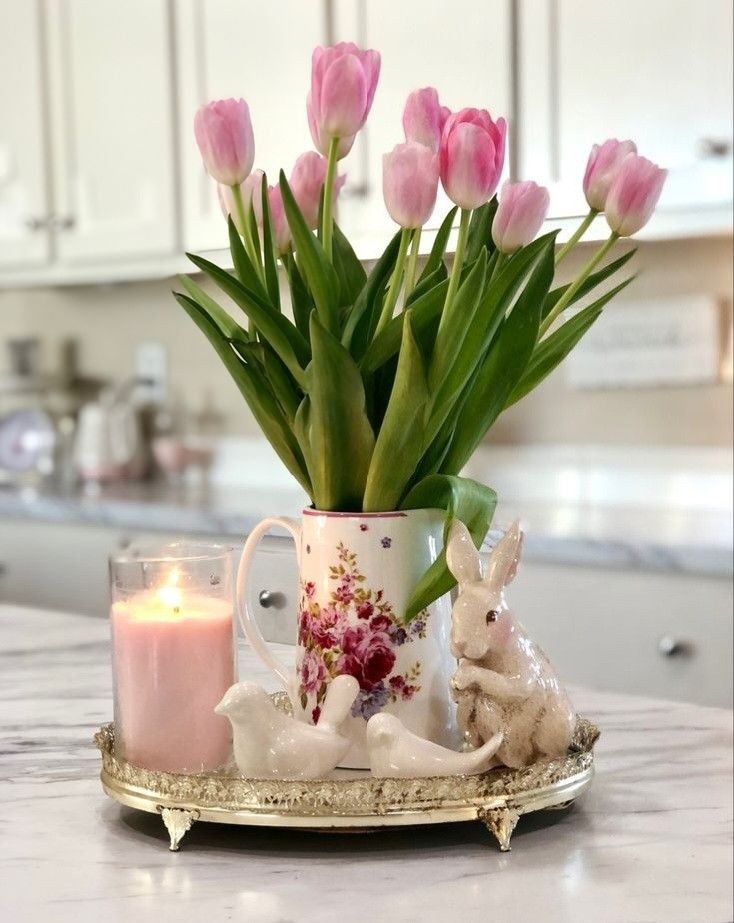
388 514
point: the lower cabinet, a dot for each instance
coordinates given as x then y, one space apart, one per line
659 634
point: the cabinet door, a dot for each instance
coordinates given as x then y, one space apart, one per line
464 52
23 194
658 72
112 117
262 53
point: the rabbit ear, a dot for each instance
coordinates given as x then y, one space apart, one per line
505 558
461 555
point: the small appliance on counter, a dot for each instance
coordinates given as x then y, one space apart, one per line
109 440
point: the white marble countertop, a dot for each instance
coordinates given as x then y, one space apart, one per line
651 841
665 509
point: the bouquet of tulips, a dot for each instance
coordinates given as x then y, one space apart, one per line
378 388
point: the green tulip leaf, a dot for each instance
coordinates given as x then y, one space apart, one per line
557 345
399 444
268 248
362 319
435 257
505 363
340 437
282 335
257 394
312 261
596 278
462 498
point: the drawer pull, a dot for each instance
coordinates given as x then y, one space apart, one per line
271 600
674 647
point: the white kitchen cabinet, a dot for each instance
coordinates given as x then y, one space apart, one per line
24 207
659 72
72 561
112 113
465 52
262 53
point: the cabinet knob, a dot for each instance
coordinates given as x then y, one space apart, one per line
62 222
674 647
36 223
714 148
270 599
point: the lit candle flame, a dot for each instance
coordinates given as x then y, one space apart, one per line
170 595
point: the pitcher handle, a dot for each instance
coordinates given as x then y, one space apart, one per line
246 618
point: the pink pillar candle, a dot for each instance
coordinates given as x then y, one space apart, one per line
173 660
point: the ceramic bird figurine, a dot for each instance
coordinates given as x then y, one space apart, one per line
504 681
395 752
270 744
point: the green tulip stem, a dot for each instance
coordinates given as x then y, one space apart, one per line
396 281
253 250
499 263
327 228
571 291
412 262
456 267
577 235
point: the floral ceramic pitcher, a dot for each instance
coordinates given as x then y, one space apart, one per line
356 575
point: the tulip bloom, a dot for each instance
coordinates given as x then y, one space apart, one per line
633 195
410 183
343 83
424 118
251 191
278 221
307 181
521 211
601 168
472 156
223 132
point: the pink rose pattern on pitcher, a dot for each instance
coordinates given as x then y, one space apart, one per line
356 633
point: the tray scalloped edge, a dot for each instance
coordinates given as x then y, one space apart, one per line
497 798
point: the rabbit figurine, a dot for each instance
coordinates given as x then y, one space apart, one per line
504 682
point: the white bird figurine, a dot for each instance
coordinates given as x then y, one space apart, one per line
395 752
270 744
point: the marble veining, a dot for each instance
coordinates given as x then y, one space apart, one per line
651 841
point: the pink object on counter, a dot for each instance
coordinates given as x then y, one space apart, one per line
173 660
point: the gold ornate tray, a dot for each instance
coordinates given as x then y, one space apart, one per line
352 799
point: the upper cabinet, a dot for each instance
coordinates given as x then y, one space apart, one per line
465 52
659 72
100 177
258 51
111 104
24 207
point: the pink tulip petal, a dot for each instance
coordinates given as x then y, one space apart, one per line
344 97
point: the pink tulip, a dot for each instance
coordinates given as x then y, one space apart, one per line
601 168
410 183
307 181
251 194
223 132
343 83
633 195
472 156
521 211
424 118
278 221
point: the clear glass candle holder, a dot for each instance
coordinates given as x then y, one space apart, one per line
173 655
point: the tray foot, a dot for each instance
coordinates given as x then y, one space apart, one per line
501 823
178 823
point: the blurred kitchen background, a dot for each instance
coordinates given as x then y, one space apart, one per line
117 420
